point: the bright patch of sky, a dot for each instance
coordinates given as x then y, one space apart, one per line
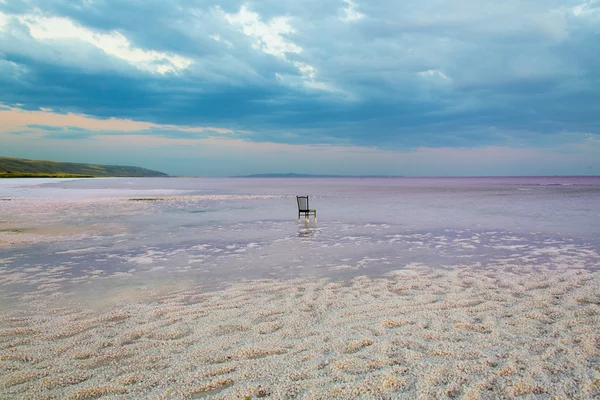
590 8
272 38
112 43
3 21
350 13
268 37
432 73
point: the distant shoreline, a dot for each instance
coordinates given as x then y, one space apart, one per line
412 177
292 175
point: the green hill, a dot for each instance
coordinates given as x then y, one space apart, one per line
22 168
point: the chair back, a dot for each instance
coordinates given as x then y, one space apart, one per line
302 203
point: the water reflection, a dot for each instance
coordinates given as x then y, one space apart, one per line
306 231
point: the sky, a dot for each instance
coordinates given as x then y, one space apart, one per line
350 87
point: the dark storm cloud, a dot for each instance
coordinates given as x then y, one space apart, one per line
392 75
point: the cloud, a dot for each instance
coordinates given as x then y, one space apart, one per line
349 12
267 37
45 127
396 76
4 19
271 38
66 135
587 9
56 29
434 74
75 128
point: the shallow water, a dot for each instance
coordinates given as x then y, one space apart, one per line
75 252
211 231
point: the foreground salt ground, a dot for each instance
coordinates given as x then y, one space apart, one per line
419 332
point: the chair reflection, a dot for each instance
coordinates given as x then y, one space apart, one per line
306 232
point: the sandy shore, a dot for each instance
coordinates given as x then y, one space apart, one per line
461 332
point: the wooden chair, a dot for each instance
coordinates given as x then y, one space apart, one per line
303 208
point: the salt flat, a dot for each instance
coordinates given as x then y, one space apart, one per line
406 288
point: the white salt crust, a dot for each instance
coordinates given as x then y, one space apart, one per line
462 332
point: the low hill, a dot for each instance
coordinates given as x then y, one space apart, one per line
22 168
